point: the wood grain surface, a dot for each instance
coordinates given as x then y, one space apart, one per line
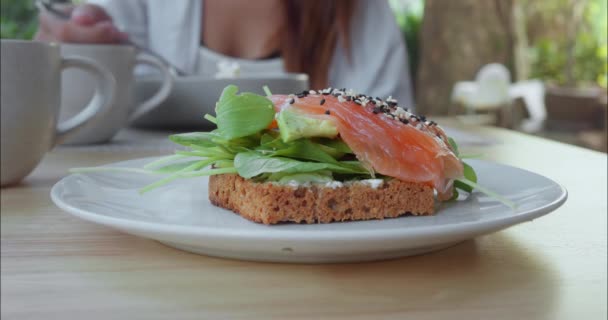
55 266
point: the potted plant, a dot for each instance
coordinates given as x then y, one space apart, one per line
570 53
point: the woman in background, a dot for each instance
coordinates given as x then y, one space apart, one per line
338 43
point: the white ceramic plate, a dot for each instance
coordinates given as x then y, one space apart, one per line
180 215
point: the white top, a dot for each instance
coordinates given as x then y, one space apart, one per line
209 64
379 58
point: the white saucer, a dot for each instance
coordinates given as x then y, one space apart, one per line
180 215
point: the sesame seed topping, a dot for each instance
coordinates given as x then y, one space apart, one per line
389 108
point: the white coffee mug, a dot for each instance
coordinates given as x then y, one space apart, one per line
120 60
30 101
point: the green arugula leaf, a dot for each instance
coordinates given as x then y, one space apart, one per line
163 160
454 146
206 142
267 91
336 144
490 193
316 177
455 195
251 164
471 156
211 118
298 149
203 139
268 137
179 166
334 147
243 114
470 175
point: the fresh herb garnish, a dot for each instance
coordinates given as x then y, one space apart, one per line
469 182
243 114
244 144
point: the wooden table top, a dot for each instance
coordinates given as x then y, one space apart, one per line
55 266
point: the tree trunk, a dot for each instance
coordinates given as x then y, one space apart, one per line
457 39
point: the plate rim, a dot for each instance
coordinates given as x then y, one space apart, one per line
470 227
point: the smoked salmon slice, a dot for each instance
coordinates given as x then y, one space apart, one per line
386 138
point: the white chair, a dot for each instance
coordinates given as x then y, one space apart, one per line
492 91
533 94
489 91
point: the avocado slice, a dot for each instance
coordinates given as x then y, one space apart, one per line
294 125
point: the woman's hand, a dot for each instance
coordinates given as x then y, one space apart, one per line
88 24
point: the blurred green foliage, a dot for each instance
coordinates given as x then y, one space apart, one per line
549 55
408 14
18 19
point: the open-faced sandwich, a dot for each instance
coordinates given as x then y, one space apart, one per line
319 156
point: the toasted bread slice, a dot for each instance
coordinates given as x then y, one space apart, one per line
271 203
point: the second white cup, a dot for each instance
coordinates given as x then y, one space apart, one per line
78 88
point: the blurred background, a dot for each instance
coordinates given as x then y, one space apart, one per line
538 66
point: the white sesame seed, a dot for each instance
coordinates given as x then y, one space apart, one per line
341 99
400 112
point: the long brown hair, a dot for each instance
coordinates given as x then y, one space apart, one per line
310 34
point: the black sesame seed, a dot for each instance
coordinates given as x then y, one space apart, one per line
404 121
322 101
349 98
377 110
392 103
422 118
372 102
327 112
292 100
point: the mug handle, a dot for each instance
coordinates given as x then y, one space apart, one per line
102 98
161 94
